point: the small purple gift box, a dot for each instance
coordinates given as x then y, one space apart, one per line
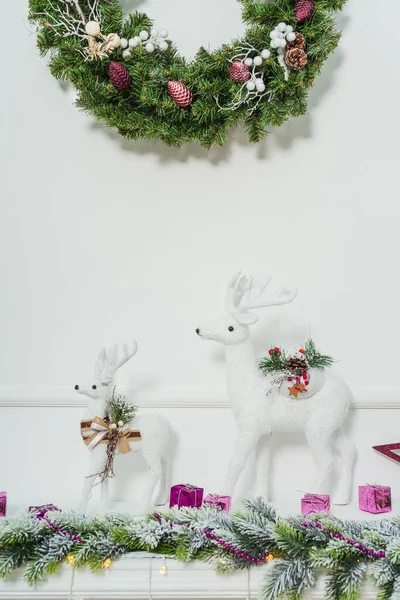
185 494
3 504
375 498
43 509
315 503
220 502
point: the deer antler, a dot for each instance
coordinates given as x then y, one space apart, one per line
113 362
244 293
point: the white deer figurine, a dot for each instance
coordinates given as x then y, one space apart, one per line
155 432
261 408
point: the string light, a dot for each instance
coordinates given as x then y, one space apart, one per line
163 568
106 563
269 557
222 561
70 559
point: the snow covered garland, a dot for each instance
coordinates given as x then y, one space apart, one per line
296 548
129 75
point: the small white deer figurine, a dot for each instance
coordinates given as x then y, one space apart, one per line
155 432
261 408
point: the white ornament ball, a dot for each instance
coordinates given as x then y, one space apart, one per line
250 85
281 35
124 43
113 426
258 61
92 28
144 35
135 41
265 54
273 34
283 43
126 53
275 43
248 62
150 47
163 33
281 26
154 33
289 28
120 423
291 36
163 46
260 85
115 40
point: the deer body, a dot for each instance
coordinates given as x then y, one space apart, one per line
155 433
260 407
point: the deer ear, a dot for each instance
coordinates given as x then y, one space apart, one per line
246 318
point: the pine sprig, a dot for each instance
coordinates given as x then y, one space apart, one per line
119 409
277 360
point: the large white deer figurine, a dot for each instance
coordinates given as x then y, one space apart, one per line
155 432
260 407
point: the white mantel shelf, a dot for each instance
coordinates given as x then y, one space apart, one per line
140 578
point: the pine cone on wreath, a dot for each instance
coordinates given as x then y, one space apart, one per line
296 58
119 76
296 366
299 42
239 71
304 10
180 93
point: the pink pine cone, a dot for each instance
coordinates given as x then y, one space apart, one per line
119 76
180 93
304 10
239 71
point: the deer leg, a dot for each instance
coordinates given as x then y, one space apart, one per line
262 462
347 453
154 476
162 496
96 465
245 444
104 496
320 443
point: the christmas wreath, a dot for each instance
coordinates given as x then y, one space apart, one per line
296 547
130 76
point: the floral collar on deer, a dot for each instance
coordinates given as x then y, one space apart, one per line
130 76
295 368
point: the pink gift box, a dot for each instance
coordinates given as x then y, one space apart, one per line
315 503
375 498
220 502
185 494
3 504
42 509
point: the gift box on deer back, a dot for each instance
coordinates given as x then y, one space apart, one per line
375 498
315 503
220 502
185 494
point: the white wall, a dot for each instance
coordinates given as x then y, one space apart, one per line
104 240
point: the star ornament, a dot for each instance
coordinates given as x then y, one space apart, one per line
296 389
387 450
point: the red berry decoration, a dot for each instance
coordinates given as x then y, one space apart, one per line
119 76
180 93
304 10
270 352
239 71
302 351
277 350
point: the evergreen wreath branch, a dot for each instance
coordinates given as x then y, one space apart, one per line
145 89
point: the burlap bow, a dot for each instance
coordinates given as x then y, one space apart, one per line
98 431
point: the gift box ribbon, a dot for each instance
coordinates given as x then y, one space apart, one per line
97 431
312 499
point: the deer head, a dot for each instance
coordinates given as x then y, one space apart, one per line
243 295
106 365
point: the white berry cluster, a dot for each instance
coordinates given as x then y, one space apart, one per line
256 83
257 60
150 41
280 35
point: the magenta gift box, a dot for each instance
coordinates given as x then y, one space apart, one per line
220 502
43 509
185 494
375 498
3 504
315 503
